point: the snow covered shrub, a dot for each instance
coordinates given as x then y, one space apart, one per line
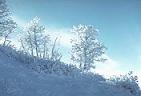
95 76
47 66
128 82
56 67
39 64
13 53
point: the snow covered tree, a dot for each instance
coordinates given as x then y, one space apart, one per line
7 25
34 41
37 42
86 49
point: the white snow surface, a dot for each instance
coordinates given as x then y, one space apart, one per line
22 81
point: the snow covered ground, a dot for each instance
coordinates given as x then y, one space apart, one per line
17 80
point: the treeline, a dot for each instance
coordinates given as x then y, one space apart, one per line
35 41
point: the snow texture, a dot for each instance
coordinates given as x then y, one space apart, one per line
18 80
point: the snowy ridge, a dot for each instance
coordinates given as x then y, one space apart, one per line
17 80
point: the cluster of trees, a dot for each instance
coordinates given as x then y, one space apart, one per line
36 42
86 48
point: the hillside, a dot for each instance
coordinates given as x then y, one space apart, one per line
17 80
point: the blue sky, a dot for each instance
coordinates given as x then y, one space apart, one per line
119 22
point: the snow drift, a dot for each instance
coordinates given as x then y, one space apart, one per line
19 80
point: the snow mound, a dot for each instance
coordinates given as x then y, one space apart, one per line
17 80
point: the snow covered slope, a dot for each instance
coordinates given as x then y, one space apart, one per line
17 80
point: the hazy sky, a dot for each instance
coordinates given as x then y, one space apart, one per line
119 22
